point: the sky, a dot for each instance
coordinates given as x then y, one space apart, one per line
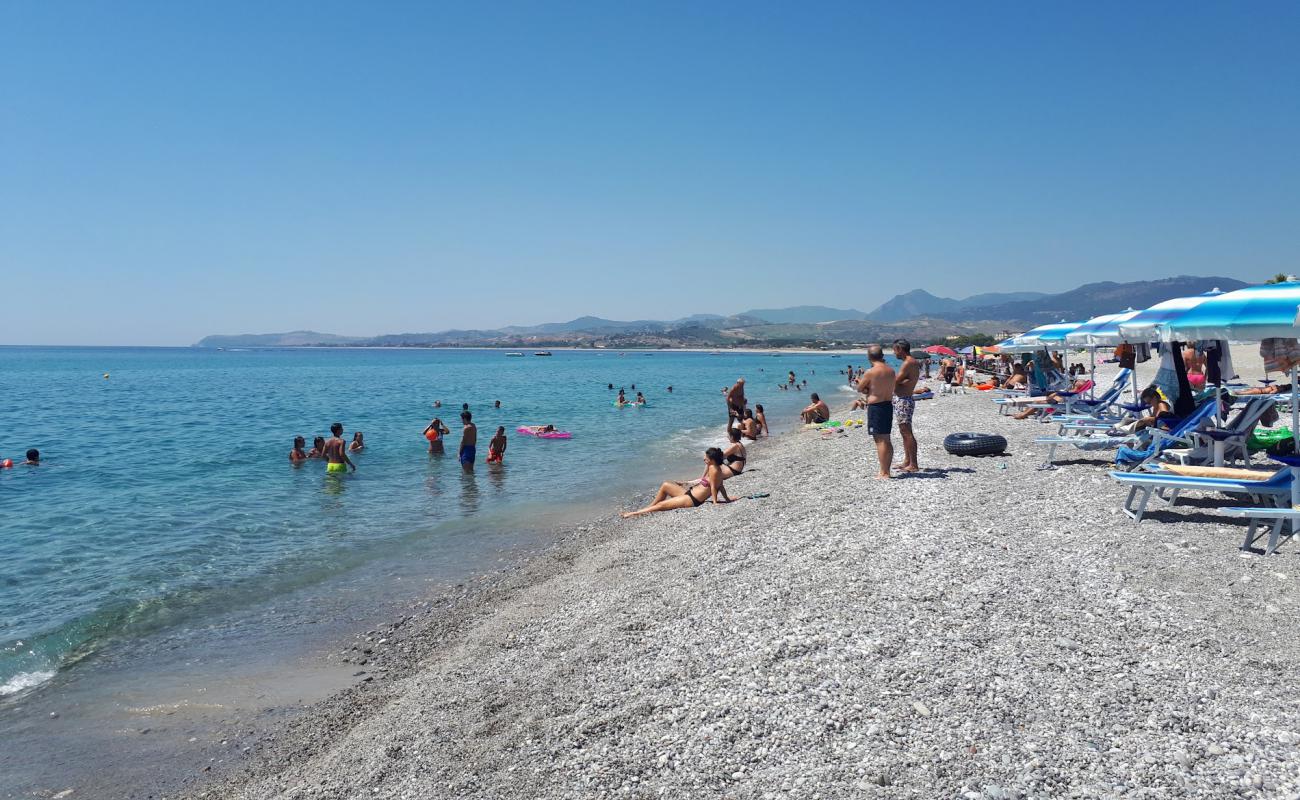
173 170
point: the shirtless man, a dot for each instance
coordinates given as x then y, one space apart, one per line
468 442
817 412
878 385
336 451
904 405
736 402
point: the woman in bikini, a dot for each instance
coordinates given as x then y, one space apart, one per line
673 495
434 433
761 419
734 456
749 426
317 448
358 443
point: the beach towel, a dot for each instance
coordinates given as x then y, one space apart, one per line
1279 354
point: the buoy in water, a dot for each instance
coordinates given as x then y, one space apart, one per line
8 463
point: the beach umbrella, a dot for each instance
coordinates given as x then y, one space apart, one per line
1144 326
1255 313
939 349
1102 331
1040 338
967 351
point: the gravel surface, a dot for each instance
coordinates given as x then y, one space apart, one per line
982 630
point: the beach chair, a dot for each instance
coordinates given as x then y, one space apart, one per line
1279 516
1098 408
1275 488
1131 449
1219 446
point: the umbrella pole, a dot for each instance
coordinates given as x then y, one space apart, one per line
1295 439
1092 372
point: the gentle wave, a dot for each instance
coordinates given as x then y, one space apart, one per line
23 681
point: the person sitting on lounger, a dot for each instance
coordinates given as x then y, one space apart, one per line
1017 379
1276 388
672 495
1159 407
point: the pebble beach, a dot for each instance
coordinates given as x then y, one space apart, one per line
984 629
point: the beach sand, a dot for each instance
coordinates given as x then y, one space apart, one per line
985 629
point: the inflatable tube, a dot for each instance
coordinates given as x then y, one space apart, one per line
551 435
974 444
1267 437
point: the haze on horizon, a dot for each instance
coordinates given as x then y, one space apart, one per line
176 170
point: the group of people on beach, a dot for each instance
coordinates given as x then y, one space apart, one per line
889 398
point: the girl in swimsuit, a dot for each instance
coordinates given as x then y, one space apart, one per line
317 448
297 455
761 419
358 442
749 426
673 495
734 455
434 433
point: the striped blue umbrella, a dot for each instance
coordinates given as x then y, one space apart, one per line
1100 331
1042 337
1145 325
1252 314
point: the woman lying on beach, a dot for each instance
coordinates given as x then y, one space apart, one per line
734 455
673 495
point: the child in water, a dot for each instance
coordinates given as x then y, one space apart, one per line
358 442
434 432
497 447
317 448
297 455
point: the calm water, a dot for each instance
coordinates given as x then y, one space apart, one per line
165 496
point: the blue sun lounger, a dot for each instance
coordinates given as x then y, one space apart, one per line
1128 445
1275 488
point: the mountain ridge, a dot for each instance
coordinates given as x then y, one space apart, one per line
795 325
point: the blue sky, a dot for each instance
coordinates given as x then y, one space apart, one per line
170 170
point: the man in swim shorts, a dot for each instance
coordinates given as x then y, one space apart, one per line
336 451
877 384
817 412
468 442
736 402
904 404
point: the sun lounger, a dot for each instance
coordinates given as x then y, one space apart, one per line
1275 487
1258 515
1129 445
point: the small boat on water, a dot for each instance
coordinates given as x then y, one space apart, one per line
514 355
542 353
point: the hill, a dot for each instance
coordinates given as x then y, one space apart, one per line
803 314
1093 299
290 339
920 303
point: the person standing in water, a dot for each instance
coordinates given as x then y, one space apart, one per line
434 432
878 385
736 402
904 404
336 451
358 442
468 442
297 455
497 447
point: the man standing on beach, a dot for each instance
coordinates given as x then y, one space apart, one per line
904 404
878 385
336 451
468 442
736 402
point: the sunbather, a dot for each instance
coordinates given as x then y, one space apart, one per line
672 495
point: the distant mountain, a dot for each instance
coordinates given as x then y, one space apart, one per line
290 339
920 303
803 314
1093 299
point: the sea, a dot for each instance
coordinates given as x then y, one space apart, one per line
166 553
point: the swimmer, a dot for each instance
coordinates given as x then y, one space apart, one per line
468 442
670 390
437 404
297 455
336 451
673 495
434 432
33 458
358 443
611 387
317 448
497 404
622 399
640 399
497 447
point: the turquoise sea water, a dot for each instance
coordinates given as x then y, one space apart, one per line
165 495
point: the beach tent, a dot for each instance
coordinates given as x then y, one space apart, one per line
1255 313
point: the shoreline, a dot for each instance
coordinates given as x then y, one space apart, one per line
850 637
